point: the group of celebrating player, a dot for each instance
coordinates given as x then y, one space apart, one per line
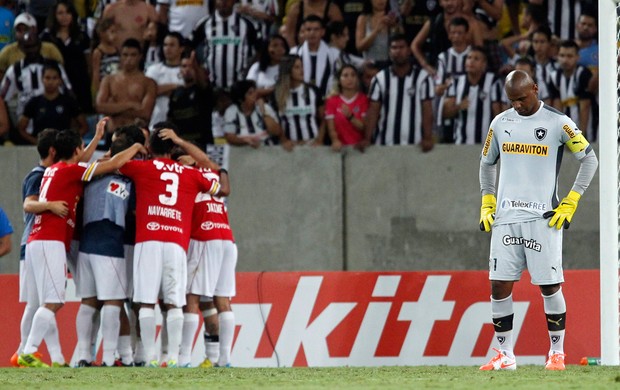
136 228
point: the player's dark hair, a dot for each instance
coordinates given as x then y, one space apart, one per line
158 146
119 144
132 43
133 133
460 21
240 88
65 144
45 140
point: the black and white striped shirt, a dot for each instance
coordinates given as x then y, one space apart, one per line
400 120
25 79
450 63
318 66
229 47
471 125
570 90
563 16
299 119
236 122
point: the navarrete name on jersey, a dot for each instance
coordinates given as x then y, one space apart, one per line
518 148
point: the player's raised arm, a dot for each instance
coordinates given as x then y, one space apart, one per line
195 152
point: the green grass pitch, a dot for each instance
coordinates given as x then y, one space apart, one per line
436 377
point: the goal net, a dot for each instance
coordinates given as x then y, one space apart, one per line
609 157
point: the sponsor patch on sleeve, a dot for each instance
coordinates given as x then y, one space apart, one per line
568 130
487 142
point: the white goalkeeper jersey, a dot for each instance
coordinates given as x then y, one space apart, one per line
531 149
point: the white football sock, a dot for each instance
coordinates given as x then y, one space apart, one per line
163 338
25 326
40 325
124 349
110 324
147 331
190 325
175 332
84 330
227 333
53 342
95 334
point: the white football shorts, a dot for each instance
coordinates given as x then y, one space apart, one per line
102 276
159 266
529 245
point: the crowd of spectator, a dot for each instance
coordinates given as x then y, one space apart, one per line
292 72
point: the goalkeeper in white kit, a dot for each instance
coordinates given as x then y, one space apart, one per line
527 218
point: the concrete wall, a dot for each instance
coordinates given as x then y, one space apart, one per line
391 208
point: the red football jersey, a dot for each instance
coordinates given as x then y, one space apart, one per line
210 218
165 194
347 133
61 181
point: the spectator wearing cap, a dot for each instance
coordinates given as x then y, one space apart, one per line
26 36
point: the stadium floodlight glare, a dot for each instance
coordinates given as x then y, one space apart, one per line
609 98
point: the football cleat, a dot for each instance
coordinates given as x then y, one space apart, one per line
119 363
139 364
152 364
31 360
555 362
500 362
14 360
59 365
170 364
206 364
83 363
227 365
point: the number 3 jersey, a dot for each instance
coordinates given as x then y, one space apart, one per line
531 149
165 194
210 217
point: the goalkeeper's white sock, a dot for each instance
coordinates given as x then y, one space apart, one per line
84 330
503 315
110 324
555 311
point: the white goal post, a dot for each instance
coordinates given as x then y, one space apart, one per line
609 98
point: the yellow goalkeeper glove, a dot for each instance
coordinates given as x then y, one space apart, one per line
487 212
563 214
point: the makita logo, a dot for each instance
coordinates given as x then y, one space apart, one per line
528 244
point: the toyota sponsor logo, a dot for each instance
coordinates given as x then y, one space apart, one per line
153 226
208 225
